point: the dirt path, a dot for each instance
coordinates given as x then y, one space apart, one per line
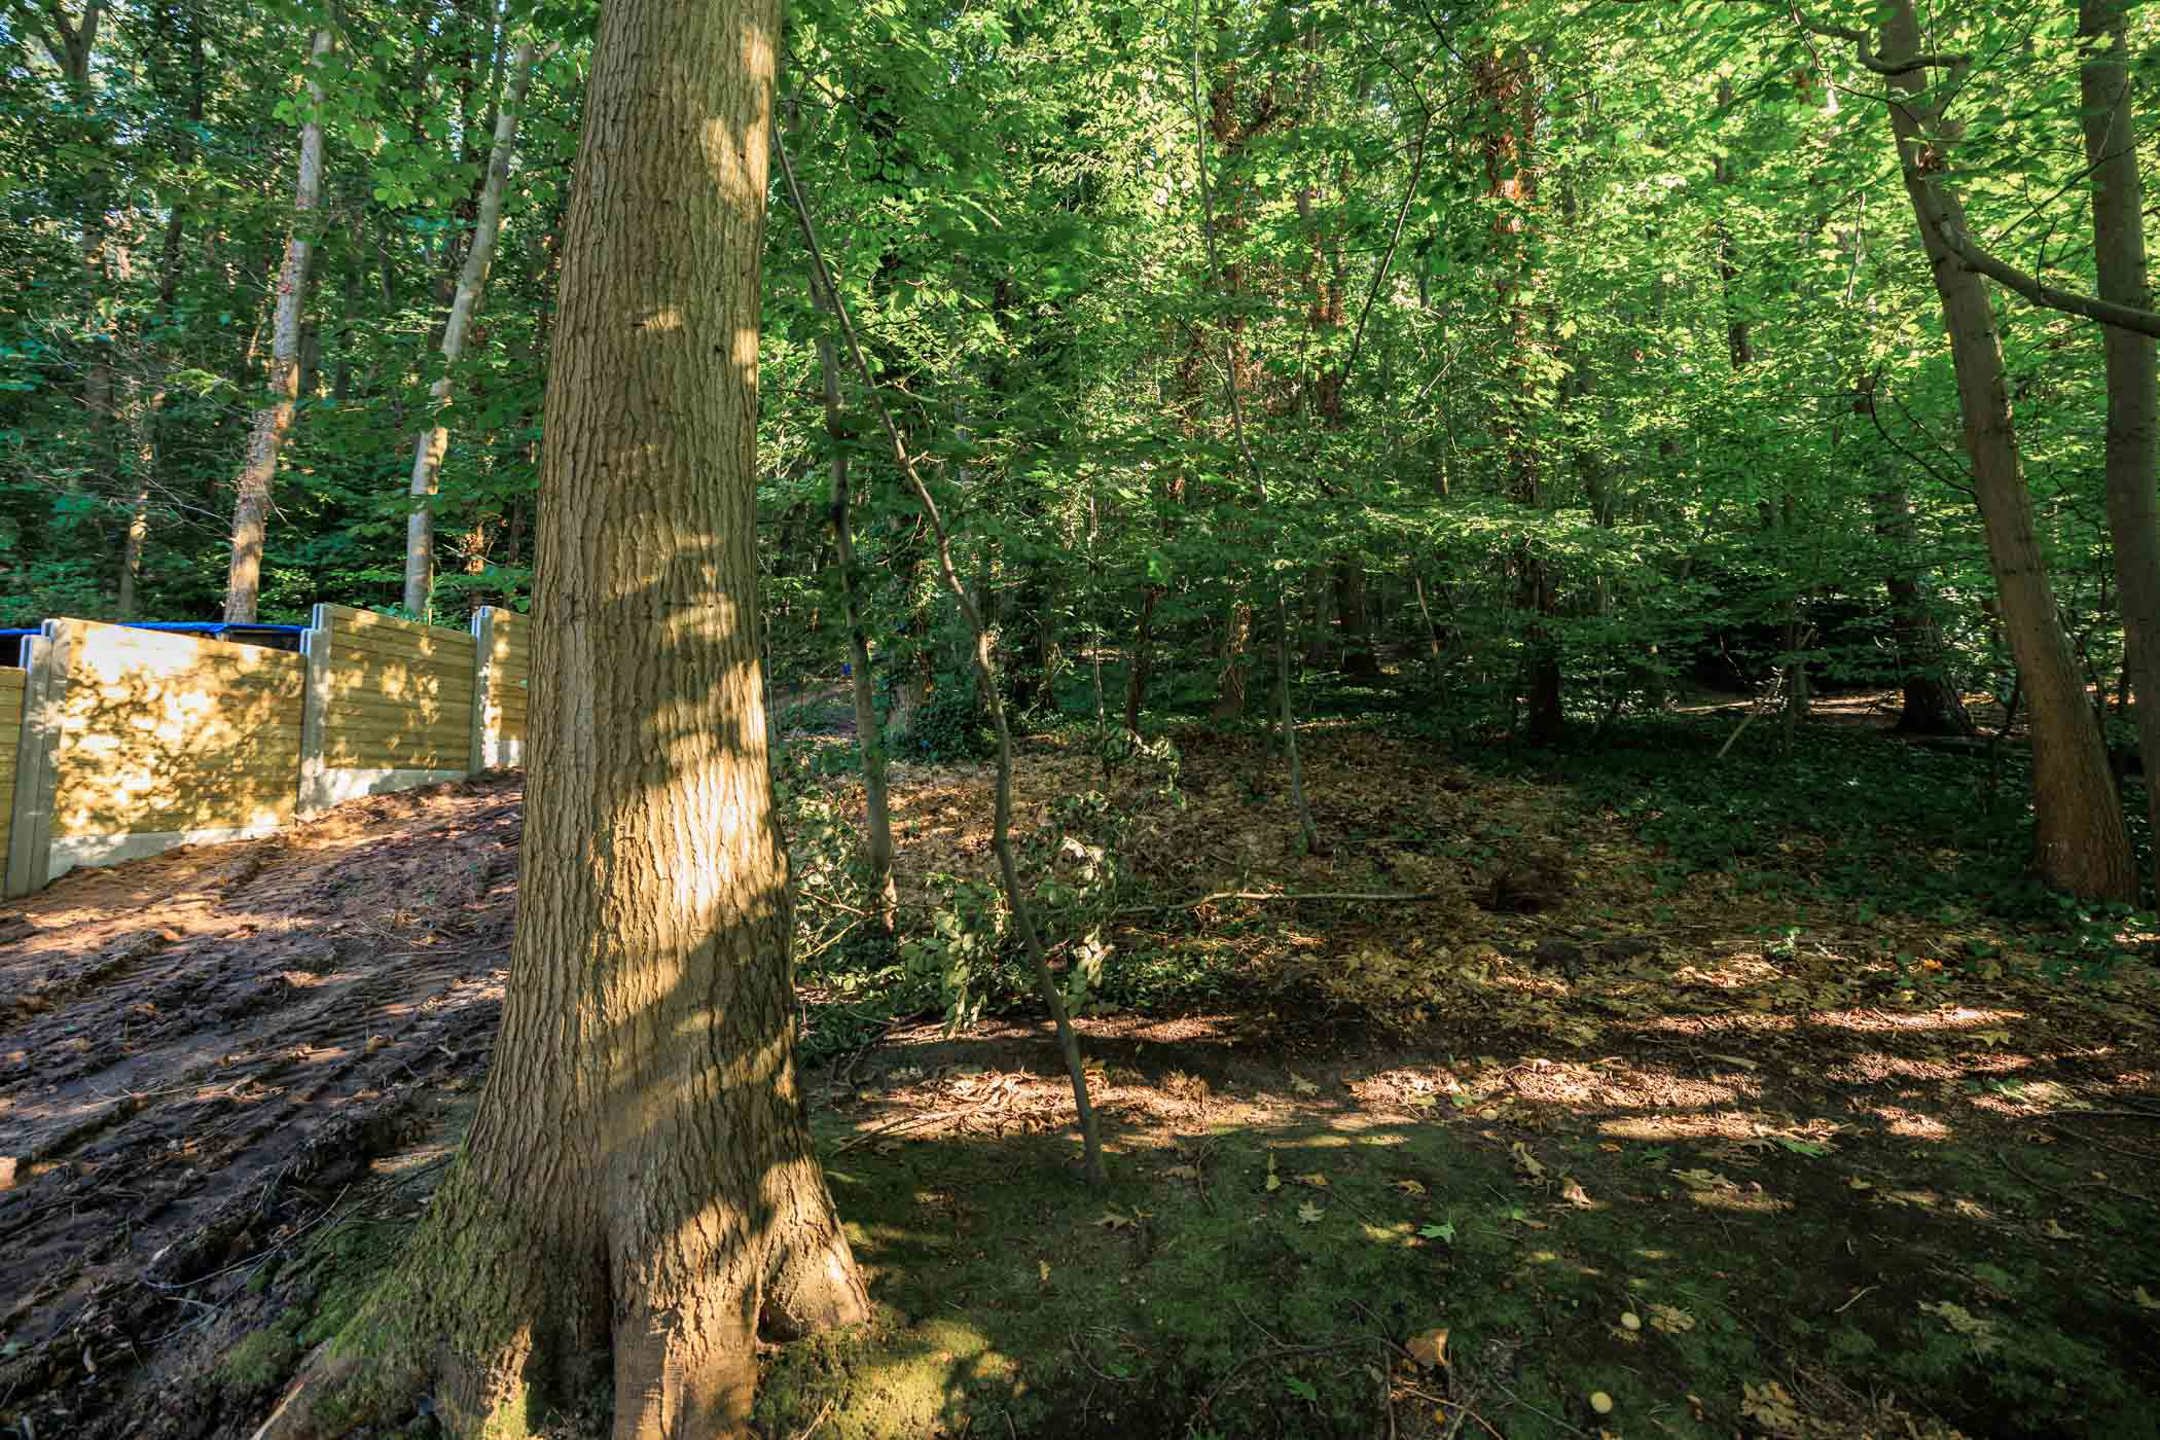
201 1052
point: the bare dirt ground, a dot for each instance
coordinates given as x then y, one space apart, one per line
215 1061
200 1054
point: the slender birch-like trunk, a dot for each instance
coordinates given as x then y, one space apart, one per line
266 435
434 438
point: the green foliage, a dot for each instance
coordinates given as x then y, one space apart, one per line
950 725
962 957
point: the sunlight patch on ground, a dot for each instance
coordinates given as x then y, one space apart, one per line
1948 1017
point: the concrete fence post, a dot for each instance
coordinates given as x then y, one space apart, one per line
314 712
37 772
486 718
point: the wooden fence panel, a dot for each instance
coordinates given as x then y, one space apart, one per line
143 740
503 640
13 685
390 705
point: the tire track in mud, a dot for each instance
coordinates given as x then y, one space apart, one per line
200 1051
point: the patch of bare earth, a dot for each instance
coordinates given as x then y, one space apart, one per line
202 1055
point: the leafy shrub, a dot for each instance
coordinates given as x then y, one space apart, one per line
949 725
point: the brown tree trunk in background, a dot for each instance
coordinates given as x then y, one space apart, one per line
148 386
2133 381
266 435
869 734
1230 684
1508 93
131 554
143 411
434 438
72 45
1205 122
639 1183
1932 705
1231 125
1143 659
1739 346
2080 843
1354 619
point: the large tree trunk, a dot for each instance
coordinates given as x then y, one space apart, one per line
639 1177
2080 844
266 435
2133 383
472 280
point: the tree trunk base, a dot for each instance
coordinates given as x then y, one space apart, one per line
500 1329
1932 708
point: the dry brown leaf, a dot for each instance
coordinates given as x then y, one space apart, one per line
1430 1348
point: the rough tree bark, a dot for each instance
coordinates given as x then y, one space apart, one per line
2133 379
2079 843
266 435
434 438
638 1190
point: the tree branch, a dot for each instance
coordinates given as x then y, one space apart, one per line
1864 50
2039 292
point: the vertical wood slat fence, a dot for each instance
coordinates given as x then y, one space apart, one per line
117 743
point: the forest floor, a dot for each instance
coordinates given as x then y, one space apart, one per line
1665 1096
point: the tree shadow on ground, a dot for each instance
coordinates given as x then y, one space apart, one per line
1267 1259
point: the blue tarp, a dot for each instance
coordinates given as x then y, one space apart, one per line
270 637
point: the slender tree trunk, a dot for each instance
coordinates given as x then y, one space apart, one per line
72 44
2133 382
434 438
131 553
1508 91
1353 617
1233 388
251 498
1143 659
983 652
639 1186
2080 843
1230 683
143 411
1739 347
869 735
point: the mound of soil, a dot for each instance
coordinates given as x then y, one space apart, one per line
200 1054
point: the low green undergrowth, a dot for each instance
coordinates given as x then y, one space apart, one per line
1299 1280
